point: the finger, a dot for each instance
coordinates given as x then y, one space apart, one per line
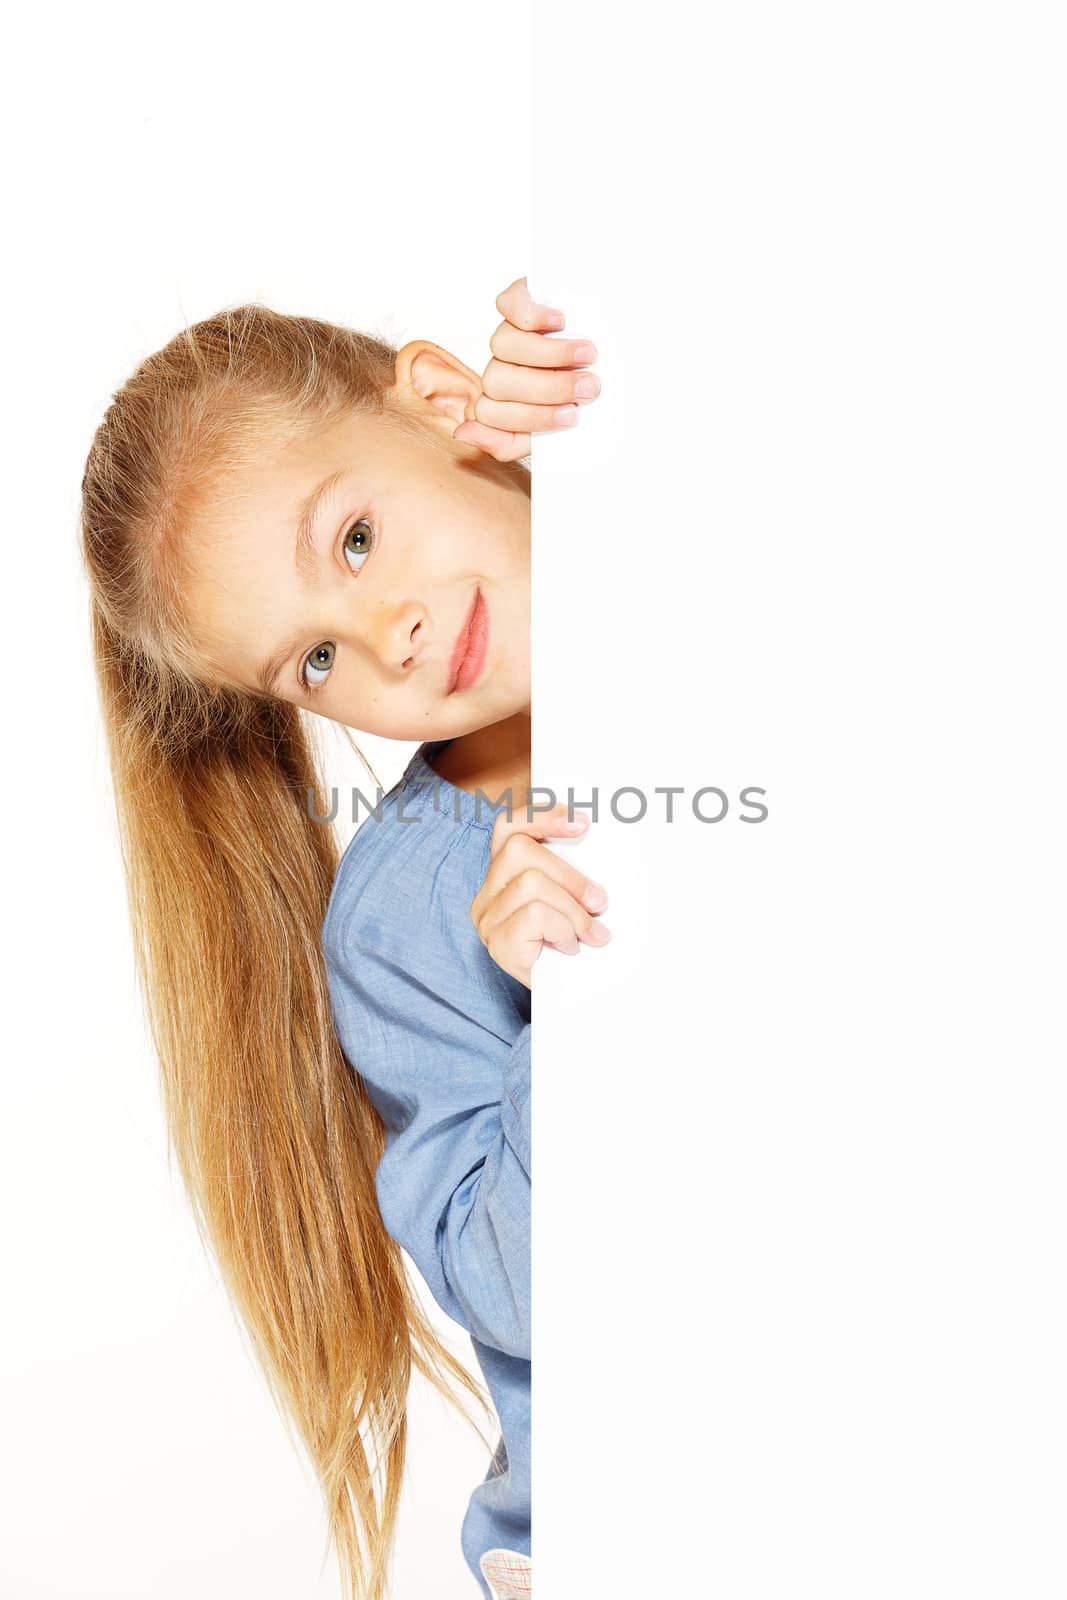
545 387
536 350
518 858
497 442
534 884
522 893
517 944
516 418
555 823
516 304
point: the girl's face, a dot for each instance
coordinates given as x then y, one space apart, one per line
375 577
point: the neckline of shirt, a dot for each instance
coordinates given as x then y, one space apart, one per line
425 790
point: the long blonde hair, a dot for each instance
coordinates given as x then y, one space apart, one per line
228 879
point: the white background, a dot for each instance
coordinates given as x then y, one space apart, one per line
799 1240
161 164
800 1218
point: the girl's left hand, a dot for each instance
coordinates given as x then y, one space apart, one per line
534 384
531 899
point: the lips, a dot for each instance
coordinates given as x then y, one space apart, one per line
468 656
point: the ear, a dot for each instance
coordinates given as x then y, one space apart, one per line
436 385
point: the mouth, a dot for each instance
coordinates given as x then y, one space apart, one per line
468 656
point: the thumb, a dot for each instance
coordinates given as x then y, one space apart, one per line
540 825
496 442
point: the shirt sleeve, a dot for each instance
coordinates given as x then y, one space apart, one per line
452 1083
483 1235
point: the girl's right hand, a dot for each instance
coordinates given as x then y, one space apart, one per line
531 898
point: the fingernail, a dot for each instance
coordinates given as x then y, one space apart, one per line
584 354
577 823
587 387
566 416
595 898
599 933
554 319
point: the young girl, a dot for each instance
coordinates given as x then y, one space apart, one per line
282 515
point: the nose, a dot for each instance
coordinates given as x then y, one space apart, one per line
396 633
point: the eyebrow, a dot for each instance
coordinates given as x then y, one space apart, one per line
304 558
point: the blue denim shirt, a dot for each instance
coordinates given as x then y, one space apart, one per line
441 1036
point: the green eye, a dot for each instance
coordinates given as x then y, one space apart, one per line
320 660
358 543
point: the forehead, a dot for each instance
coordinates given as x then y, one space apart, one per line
281 463
268 483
